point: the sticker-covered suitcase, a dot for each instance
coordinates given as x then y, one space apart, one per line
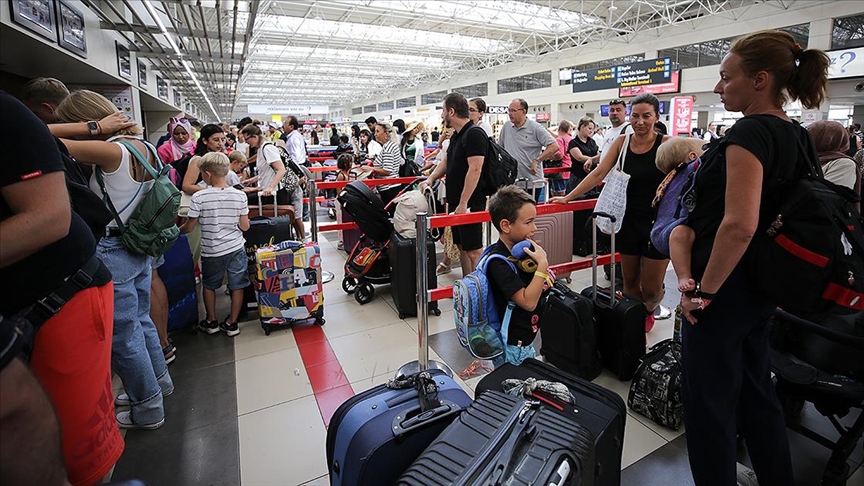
375 435
598 409
263 231
291 290
502 439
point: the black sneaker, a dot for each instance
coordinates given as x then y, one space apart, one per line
210 327
230 328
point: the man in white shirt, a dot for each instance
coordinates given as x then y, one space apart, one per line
295 144
711 133
529 143
617 115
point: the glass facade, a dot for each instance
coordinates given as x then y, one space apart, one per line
387 105
369 109
357 110
474 90
526 82
432 98
848 32
409 102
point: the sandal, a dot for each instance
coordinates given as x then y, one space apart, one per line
476 368
442 269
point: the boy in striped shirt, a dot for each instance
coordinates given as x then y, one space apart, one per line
224 215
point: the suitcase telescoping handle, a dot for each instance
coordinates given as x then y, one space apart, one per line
261 205
594 216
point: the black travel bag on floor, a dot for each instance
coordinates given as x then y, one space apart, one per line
620 321
501 439
569 334
656 391
599 410
403 274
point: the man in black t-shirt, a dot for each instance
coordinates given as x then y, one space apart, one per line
463 166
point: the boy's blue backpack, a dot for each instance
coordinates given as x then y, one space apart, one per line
477 321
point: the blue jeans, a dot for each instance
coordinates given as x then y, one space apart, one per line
136 355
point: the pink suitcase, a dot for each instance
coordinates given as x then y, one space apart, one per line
555 235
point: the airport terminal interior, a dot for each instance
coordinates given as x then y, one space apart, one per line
254 408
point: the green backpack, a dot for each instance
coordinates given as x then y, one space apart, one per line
152 228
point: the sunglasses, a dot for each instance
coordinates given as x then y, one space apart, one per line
618 102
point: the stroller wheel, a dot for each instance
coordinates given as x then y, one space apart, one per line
349 284
365 293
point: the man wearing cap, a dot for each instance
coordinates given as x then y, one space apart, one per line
529 143
463 165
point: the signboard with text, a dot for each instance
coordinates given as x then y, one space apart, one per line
655 71
846 63
681 115
288 109
673 86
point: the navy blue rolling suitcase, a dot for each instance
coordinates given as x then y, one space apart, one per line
375 435
178 275
599 410
501 439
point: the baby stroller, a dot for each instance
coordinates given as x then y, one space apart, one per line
368 263
821 363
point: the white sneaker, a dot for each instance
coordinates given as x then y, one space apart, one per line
662 312
124 421
123 400
746 476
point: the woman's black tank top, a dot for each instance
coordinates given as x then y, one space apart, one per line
644 179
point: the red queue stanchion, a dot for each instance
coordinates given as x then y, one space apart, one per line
424 224
326 276
423 362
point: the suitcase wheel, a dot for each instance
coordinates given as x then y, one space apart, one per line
364 293
266 331
437 312
348 285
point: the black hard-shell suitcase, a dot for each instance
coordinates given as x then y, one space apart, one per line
375 435
403 274
569 332
620 321
599 410
501 439
262 231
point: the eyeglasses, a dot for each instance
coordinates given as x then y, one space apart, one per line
472 110
515 110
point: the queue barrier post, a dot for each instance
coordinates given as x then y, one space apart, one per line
326 276
423 362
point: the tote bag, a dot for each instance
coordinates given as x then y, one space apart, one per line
613 197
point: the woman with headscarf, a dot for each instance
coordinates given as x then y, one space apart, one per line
831 140
181 142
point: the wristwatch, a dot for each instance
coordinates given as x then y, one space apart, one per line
93 126
701 294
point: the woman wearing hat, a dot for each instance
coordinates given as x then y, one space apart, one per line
412 145
386 163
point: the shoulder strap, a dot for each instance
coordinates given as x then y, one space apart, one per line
623 154
140 157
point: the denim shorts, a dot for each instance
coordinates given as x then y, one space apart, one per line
213 270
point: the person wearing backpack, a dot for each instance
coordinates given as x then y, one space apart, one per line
727 372
513 211
136 355
463 166
47 256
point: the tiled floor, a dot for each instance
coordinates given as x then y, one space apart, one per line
254 410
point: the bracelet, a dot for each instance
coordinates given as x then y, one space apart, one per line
544 276
705 295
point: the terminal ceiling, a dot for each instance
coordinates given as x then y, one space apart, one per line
225 54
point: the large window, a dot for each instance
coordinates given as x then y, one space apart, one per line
848 32
432 98
357 110
710 53
406 102
387 105
568 79
369 109
525 83
473 91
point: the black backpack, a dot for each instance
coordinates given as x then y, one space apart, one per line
86 203
181 165
499 167
809 257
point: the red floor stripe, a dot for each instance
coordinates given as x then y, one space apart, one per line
326 376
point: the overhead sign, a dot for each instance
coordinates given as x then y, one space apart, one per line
655 71
543 117
846 63
496 110
604 109
681 115
674 86
288 109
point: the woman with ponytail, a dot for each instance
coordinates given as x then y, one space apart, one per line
727 375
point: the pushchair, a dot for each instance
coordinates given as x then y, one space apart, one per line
368 264
821 363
